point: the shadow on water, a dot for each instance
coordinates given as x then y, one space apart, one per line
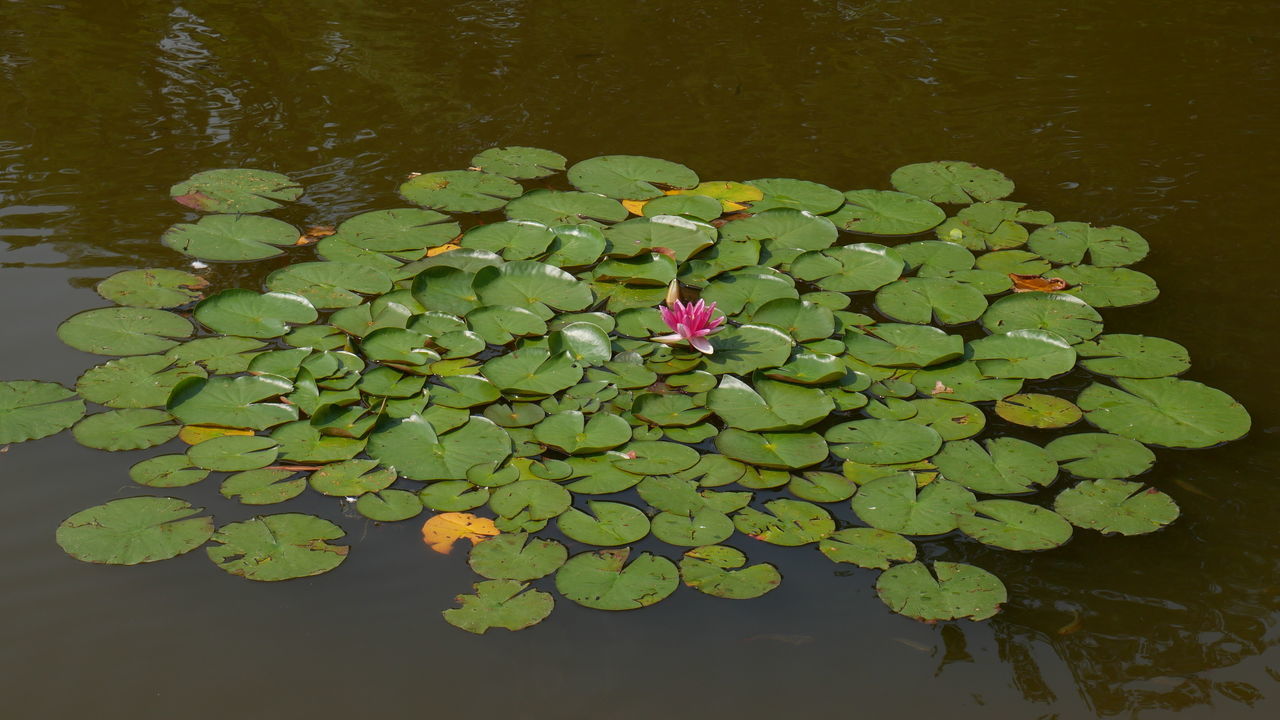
1161 119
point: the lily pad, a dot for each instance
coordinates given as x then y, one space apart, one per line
792 194
460 191
412 446
717 570
880 442
881 212
30 410
630 177
265 486
234 453
500 603
257 315
152 288
522 163
1116 506
1064 315
897 345
770 405
893 504
1109 287
1027 354
1101 455
1133 356
397 230
951 181
389 505
603 579
1038 410
135 382
516 556
554 207
231 238
124 331
278 547
1067 243
236 190
787 522
232 402
330 284
605 523
1006 466
958 591
784 450
1014 525
850 268
869 548
352 478
134 530
921 299
132 429
167 471
1165 411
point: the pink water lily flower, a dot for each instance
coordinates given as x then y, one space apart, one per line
691 322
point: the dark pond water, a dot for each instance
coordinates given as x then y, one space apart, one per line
1157 116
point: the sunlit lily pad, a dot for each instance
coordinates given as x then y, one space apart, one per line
134 382
1165 411
892 503
804 195
554 207
1004 466
879 442
278 547
957 591
881 212
516 556
784 450
604 523
951 181
1067 243
132 429
870 548
921 299
167 471
524 163
1014 525
265 486
1064 315
460 191
152 288
1116 506
256 315
604 580
236 190
896 345
1133 356
1027 354
231 238
234 453
232 402
1101 455
717 570
500 603
134 530
124 331
30 410
630 177
786 522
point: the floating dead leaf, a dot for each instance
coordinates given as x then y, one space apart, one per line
196 434
442 249
1037 283
195 200
665 251
635 207
941 389
1076 623
442 531
315 233
726 219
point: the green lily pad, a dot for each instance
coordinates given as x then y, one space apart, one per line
606 523
352 478
656 457
630 177
522 163
770 405
300 441
963 381
500 603
516 556
1101 455
892 503
800 319
1067 243
532 371
717 570
951 419
414 448
329 284
821 487
460 191
554 207
809 368
231 238
1038 410
586 343
534 498
784 232
746 348
1133 356
958 591
167 471
453 496
236 190
124 331
152 288
278 547
706 526
1109 287
234 453
991 225
1006 465
1165 411
251 314
232 402
788 522
683 237
850 268
1027 354
951 181
396 230
881 212
784 450
796 195
1064 315
265 486
879 442
921 299
134 530
525 282
603 579
134 382
669 410
1014 525
1020 262
389 505
132 429
896 345
1116 506
572 433
218 355
869 548
30 410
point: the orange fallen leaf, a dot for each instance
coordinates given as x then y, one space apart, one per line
939 388
665 251
635 207
314 233
196 434
195 200
442 531
1036 283
441 249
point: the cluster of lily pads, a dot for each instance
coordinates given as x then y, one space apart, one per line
502 360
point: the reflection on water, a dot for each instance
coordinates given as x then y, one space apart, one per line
1161 119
